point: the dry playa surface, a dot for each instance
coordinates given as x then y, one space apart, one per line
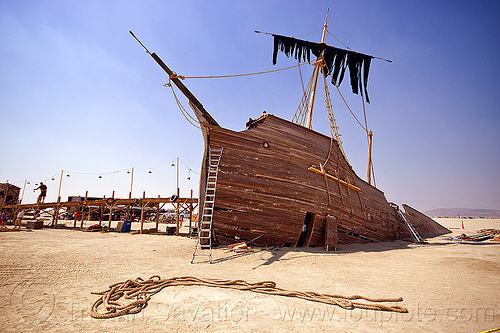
47 276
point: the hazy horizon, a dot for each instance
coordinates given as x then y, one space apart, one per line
79 94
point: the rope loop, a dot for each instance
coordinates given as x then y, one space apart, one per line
140 291
174 75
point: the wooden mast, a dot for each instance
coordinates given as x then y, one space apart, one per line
206 117
317 68
369 166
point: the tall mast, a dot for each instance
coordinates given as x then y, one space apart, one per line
317 68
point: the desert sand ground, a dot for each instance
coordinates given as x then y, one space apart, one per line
47 277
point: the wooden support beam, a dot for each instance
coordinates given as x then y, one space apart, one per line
157 220
191 216
340 190
100 217
311 230
142 210
88 207
326 183
111 210
177 218
84 209
319 172
369 163
331 234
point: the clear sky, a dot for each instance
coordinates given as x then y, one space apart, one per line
79 94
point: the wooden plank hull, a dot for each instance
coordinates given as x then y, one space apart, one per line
266 190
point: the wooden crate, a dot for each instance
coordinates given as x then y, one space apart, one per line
34 225
119 226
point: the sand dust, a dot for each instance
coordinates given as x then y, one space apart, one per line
47 275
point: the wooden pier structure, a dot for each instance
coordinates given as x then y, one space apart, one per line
108 207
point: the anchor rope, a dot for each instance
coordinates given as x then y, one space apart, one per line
140 291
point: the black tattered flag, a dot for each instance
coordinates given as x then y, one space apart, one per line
336 60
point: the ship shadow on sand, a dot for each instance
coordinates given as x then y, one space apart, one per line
289 253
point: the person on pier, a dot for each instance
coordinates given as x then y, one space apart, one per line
43 192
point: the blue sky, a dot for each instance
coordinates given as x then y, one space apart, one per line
79 94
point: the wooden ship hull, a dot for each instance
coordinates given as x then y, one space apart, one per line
279 183
271 190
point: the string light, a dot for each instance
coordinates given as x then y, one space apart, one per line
100 175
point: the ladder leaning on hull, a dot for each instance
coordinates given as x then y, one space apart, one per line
414 234
204 240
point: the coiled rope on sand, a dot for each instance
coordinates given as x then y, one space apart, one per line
140 291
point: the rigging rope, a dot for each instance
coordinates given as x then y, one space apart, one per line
347 47
333 125
184 112
345 102
308 33
301 79
301 112
140 291
238 75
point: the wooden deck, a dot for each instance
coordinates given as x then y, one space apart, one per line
107 206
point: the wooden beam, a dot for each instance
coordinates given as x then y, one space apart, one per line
319 172
331 234
157 219
311 230
111 210
143 203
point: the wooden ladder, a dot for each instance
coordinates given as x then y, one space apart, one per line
204 240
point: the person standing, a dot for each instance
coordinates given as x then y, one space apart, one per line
5 218
3 223
43 192
19 219
77 216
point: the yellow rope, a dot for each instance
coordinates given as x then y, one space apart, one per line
345 102
140 292
184 112
237 75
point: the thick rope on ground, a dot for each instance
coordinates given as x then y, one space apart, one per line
112 302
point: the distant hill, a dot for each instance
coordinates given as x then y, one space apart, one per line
463 212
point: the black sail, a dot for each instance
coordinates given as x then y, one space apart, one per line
336 60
